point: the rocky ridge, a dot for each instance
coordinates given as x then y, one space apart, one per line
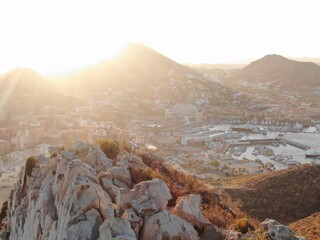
81 194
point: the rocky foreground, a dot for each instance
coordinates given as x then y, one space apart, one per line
81 194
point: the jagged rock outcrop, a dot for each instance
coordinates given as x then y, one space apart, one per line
277 231
270 229
188 208
81 194
145 198
165 225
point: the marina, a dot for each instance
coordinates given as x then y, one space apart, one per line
285 148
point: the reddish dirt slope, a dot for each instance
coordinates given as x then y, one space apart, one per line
308 227
286 195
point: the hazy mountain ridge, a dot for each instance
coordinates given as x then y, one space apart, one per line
138 66
24 90
280 71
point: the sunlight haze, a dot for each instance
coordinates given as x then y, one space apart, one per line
54 37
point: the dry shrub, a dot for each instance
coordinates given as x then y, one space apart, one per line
244 225
110 148
3 212
30 164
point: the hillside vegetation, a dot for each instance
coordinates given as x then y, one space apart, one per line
286 195
308 227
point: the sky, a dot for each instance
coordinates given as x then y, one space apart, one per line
57 36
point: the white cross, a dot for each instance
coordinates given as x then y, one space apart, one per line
133 146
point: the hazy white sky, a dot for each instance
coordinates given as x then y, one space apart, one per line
60 35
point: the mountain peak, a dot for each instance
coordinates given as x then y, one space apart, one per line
281 71
140 52
22 74
272 59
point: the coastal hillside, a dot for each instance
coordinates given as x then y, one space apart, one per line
90 192
286 195
137 67
281 72
308 227
24 90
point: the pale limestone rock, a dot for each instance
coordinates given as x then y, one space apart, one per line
134 219
188 208
43 160
69 199
117 229
33 218
82 195
233 235
97 159
165 225
106 183
82 147
124 160
120 184
145 198
77 168
277 231
87 228
121 174
68 155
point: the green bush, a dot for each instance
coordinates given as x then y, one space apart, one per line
244 225
110 148
3 212
30 164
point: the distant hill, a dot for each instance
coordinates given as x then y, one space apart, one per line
138 66
209 66
281 72
24 90
286 195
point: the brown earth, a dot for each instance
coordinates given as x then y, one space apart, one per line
286 195
308 227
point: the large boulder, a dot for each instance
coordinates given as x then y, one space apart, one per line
97 159
188 208
72 196
129 162
116 228
165 225
81 193
134 219
107 185
277 231
75 168
82 147
232 235
35 212
87 227
145 198
121 174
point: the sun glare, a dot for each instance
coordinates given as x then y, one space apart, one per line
54 37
